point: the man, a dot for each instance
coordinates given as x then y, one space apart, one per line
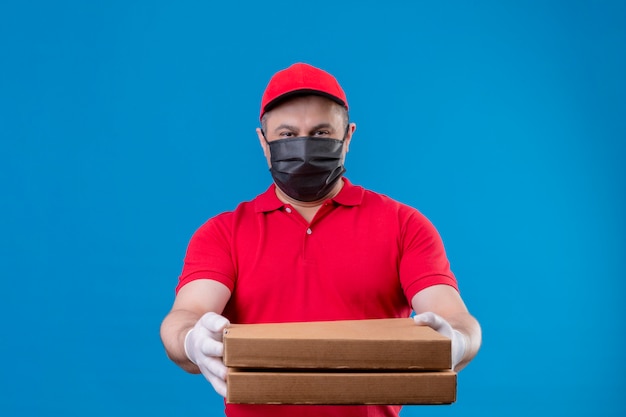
312 247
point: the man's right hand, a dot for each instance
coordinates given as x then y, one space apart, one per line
204 347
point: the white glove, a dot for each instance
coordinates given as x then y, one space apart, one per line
204 347
438 323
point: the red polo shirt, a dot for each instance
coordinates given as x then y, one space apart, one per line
363 256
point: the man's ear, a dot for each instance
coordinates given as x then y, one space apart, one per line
262 141
264 146
348 138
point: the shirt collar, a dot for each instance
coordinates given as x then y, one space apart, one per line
350 195
267 201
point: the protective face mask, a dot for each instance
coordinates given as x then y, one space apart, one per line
306 168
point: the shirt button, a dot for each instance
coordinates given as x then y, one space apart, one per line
309 231
288 210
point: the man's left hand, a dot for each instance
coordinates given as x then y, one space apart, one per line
438 323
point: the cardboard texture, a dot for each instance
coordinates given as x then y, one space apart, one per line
382 361
328 388
385 344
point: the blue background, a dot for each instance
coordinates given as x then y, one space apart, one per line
125 125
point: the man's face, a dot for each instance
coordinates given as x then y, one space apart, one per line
306 116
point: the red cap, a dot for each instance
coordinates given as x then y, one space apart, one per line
301 79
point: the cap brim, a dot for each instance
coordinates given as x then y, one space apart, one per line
302 92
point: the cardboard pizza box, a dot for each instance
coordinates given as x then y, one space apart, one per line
340 387
377 344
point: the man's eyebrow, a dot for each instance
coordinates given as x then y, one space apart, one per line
286 126
322 126
296 129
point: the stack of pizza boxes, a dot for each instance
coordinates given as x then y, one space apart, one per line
379 361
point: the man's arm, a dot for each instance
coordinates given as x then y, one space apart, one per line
446 302
192 302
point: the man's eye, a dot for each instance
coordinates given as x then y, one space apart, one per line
321 133
286 134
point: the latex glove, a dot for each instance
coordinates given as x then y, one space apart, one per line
438 323
204 347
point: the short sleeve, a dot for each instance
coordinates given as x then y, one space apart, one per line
423 260
209 254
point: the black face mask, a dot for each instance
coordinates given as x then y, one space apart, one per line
306 168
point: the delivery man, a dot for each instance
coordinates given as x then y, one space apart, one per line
312 247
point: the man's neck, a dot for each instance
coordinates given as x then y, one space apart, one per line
308 209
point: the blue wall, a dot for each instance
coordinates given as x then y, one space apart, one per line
125 125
